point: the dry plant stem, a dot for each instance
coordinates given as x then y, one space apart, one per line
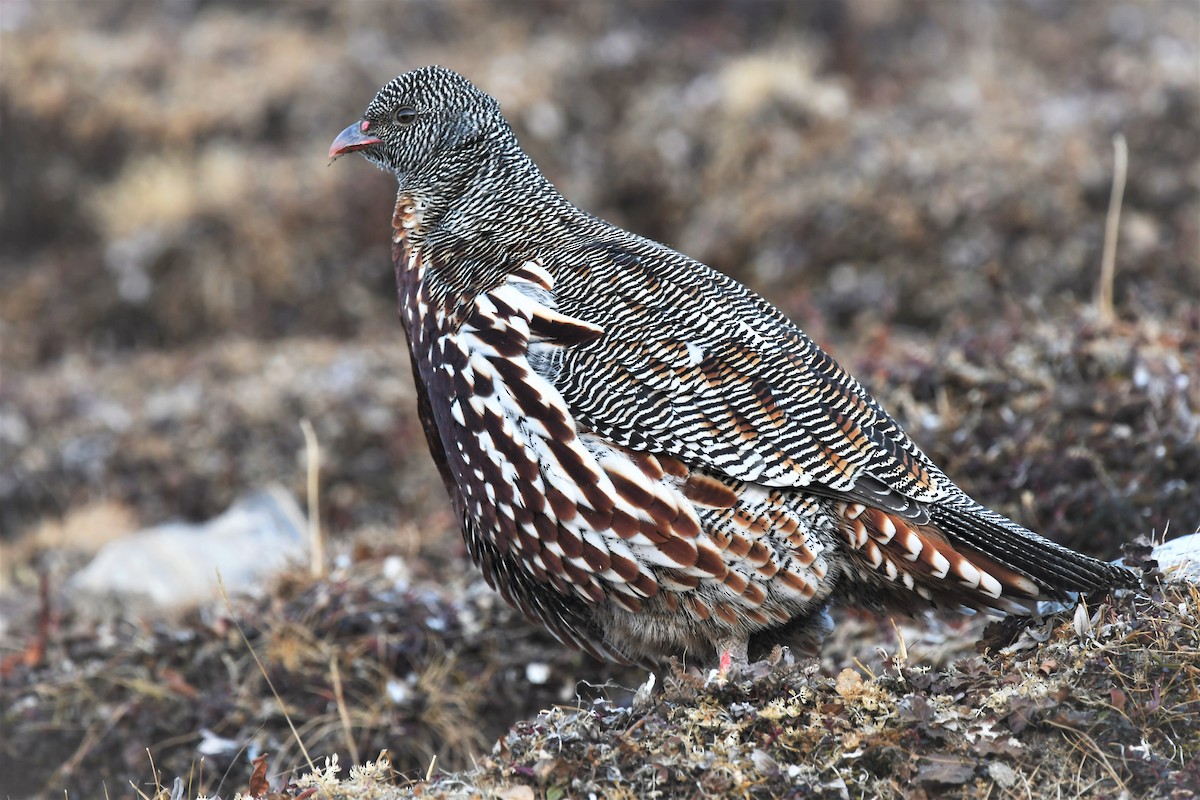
92 736
258 662
1087 746
313 461
1108 261
343 712
153 771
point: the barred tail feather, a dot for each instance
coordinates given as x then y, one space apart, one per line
1015 555
965 555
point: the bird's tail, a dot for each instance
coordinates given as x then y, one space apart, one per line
972 557
1053 569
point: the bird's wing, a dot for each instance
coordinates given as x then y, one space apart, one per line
694 365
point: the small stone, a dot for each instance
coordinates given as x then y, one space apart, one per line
1180 558
1005 776
537 673
179 565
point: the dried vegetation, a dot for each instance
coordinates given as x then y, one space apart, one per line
1103 701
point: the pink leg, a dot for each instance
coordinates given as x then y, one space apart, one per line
733 658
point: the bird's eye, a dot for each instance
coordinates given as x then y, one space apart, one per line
404 115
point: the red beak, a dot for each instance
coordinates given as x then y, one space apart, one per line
353 138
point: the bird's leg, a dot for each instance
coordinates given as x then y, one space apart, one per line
733 657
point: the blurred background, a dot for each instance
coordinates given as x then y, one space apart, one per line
921 185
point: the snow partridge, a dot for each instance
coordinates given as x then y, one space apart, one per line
647 457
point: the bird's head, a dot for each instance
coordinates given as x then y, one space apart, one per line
421 125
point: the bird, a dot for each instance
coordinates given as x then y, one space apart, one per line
646 457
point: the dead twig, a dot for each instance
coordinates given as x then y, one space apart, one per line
343 712
1112 224
312 455
262 669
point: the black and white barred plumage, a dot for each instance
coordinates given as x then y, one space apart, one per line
647 457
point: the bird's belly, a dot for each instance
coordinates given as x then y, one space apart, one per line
776 564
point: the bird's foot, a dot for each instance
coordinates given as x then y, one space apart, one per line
735 667
731 663
726 663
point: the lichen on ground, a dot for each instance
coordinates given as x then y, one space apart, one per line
1107 706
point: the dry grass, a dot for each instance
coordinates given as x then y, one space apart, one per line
1090 702
1071 716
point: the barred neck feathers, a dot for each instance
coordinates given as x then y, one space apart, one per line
472 239
505 187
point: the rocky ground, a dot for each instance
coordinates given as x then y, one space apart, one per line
922 186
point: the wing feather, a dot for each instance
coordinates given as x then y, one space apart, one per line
695 366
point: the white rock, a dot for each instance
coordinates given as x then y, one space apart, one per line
1180 558
175 566
537 673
